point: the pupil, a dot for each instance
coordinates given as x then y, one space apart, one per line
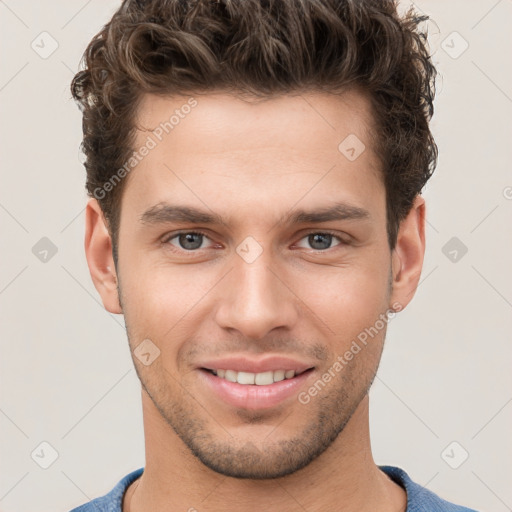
324 239
187 240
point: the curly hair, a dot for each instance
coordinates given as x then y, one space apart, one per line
261 48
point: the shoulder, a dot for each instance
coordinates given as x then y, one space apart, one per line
420 499
112 501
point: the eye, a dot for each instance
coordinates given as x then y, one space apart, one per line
320 241
188 241
192 241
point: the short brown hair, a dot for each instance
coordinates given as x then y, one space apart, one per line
262 48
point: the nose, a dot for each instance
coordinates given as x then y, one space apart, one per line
256 299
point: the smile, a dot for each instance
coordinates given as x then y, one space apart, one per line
254 391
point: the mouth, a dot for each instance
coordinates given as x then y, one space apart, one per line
254 391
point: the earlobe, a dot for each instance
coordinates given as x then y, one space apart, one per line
98 251
407 257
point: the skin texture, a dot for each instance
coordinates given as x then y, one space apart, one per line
254 162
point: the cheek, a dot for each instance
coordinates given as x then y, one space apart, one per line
157 298
347 299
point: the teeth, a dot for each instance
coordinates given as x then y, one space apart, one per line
246 378
279 375
231 375
264 378
260 379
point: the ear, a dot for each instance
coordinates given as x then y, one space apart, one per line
407 257
98 251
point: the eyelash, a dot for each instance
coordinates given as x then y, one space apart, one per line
170 237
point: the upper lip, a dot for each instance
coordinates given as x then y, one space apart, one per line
247 364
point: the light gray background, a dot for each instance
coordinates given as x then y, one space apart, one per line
66 373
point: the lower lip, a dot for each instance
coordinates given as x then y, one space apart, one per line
251 396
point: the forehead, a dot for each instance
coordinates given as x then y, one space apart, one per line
223 150
224 122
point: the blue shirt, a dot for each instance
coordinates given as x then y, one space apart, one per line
419 499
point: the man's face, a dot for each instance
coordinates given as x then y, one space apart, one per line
260 291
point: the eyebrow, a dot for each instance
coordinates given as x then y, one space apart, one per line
162 213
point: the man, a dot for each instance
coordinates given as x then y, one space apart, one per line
255 170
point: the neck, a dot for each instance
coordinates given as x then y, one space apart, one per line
343 476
